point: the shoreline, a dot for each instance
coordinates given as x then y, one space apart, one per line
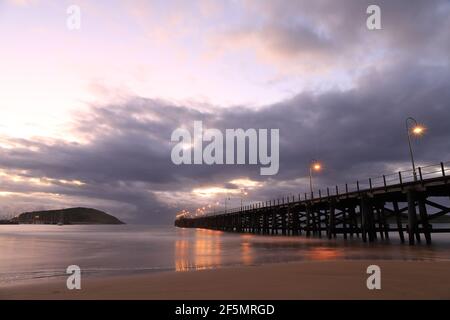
332 279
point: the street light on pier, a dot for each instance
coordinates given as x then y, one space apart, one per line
314 166
415 130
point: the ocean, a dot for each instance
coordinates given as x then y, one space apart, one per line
39 252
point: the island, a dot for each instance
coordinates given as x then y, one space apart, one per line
67 216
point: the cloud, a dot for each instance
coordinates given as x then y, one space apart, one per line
125 165
321 36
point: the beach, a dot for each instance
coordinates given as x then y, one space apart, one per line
296 280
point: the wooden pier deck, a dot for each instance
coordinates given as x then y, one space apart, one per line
404 203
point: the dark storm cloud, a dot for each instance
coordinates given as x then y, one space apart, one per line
318 34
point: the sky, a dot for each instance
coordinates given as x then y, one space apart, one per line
86 115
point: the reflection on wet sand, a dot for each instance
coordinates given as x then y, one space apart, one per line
202 249
182 255
321 253
246 250
203 254
207 251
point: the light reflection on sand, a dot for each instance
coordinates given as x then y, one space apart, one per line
203 253
210 249
321 253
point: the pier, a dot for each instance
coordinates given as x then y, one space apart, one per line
407 202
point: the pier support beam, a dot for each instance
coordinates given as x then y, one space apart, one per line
317 223
344 223
412 216
367 221
398 219
424 219
353 220
331 219
308 220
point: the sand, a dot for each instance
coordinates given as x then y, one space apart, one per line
304 280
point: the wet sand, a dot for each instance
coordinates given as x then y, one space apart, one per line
304 280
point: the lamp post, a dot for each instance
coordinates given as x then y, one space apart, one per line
417 130
314 166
